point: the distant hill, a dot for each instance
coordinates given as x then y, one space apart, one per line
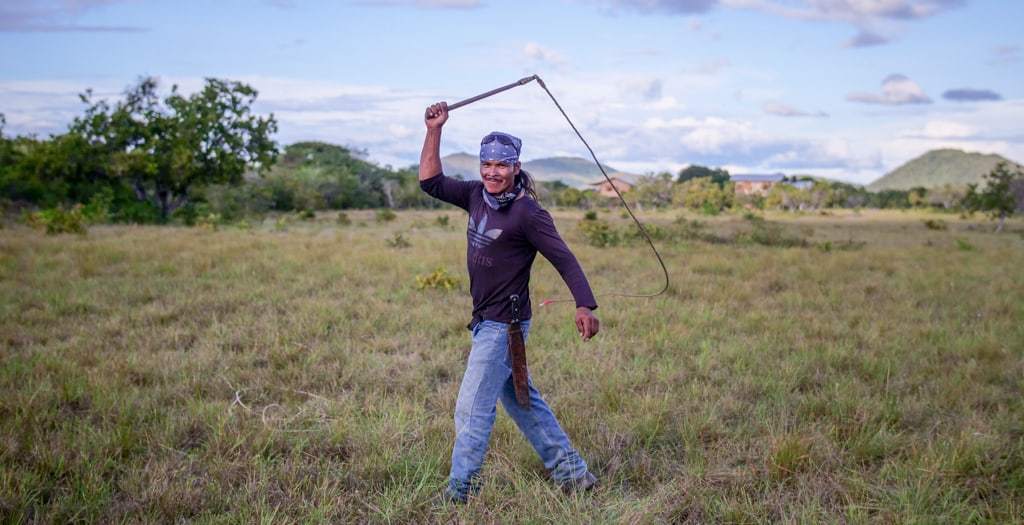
573 171
939 167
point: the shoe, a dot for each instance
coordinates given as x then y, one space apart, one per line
450 497
580 484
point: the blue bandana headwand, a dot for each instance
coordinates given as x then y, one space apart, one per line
503 148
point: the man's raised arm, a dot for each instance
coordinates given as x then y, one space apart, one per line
430 159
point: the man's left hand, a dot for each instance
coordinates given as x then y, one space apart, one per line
586 324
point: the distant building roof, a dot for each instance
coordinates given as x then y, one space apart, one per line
757 178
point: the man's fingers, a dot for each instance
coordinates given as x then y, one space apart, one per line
587 331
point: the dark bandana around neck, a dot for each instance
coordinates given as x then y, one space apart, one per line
498 201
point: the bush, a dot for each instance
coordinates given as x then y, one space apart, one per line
210 221
933 224
398 241
590 215
964 246
655 232
439 278
848 245
598 233
282 222
343 219
442 221
385 215
307 215
694 230
769 234
97 210
710 208
59 220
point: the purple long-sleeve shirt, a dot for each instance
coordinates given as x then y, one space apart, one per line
502 246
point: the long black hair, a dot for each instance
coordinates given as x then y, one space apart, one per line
528 185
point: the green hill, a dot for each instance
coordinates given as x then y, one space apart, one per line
939 167
574 171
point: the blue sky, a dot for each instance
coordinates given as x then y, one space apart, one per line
847 89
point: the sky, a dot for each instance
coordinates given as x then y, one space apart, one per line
845 89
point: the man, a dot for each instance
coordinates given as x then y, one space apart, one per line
507 227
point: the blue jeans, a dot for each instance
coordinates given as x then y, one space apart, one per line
488 378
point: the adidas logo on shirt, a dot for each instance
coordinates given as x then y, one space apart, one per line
479 235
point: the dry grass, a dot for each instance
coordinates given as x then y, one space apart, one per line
295 373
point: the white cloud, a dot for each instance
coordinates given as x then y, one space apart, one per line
658 6
781 109
535 51
709 134
49 16
867 16
896 90
1005 55
942 129
854 11
866 38
400 132
424 4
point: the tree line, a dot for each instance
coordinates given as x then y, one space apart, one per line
710 191
147 159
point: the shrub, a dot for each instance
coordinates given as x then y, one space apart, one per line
710 208
964 246
656 233
788 457
439 278
343 219
848 245
59 220
590 215
769 234
442 221
933 224
694 230
307 215
598 233
97 210
210 221
385 215
398 241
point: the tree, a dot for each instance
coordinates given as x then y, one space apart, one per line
998 198
783 196
702 193
916 197
654 190
163 149
886 199
572 197
946 196
693 171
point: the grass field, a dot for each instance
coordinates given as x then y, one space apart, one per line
293 373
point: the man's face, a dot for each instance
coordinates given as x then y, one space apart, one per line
497 176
